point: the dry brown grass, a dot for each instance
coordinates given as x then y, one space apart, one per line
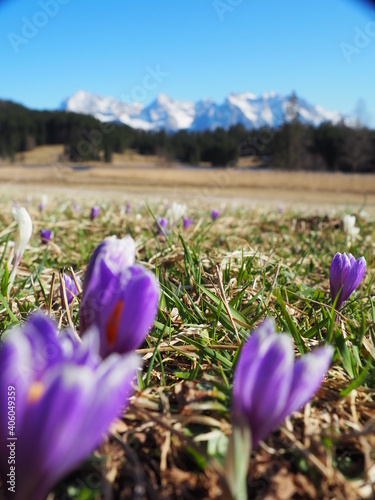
143 174
50 154
47 155
245 187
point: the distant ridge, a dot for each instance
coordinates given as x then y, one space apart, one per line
247 109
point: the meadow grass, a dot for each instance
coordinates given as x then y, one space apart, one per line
218 280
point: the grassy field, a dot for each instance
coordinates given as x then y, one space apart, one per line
47 155
244 188
136 175
171 442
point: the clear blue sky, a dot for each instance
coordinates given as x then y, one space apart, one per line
104 47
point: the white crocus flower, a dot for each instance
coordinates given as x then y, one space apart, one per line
364 214
44 200
350 228
348 222
25 229
175 212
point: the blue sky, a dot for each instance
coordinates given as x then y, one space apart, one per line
201 48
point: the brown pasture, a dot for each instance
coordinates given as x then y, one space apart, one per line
200 183
143 176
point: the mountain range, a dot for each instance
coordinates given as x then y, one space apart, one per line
270 109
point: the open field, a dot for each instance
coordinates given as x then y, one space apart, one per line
47 155
204 185
143 177
218 281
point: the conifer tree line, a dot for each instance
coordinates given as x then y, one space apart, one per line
293 146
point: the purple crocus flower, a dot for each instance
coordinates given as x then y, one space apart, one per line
215 214
187 222
70 288
269 384
119 297
162 226
128 208
45 235
64 397
345 275
95 211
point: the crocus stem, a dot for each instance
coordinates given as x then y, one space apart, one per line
239 449
333 322
12 278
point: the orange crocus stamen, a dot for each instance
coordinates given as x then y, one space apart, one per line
35 392
113 322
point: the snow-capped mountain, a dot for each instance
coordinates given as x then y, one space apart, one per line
269 109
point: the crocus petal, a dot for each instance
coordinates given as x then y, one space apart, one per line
45 454
140 298
346 273
161 226
46 348
25 229
353 278
45 235
337 270
71 289
95 211
349 227
215 214
114 375
260 393
123 308
120 298
74 415
351 259
44 199
308 374
187 222
348 222
175 212
268 385
15 356
63 409
117 254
